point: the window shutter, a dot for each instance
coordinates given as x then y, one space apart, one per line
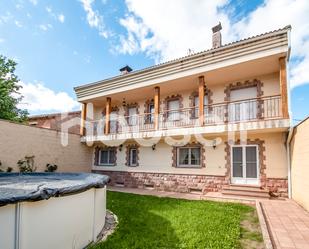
96 156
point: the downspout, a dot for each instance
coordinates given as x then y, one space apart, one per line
288 147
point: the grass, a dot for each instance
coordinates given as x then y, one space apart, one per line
153 222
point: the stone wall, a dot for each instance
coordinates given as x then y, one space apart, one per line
166 182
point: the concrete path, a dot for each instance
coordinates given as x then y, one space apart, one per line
288 224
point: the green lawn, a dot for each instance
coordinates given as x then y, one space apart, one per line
153 222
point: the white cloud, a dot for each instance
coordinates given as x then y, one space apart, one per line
18 24
39 98
164 34
2 40
94 19
48 9
34 2
61 18
45 27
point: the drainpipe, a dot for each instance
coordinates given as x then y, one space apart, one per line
288 143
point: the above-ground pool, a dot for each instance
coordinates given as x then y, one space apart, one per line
51 210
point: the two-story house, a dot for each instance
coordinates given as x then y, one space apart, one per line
203 122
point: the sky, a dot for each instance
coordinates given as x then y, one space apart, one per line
62 44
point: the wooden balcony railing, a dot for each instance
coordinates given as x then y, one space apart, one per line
221 113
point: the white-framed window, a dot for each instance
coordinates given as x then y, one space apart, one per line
173 110
189 157
150 113
132 115
133 157
196 105
107 157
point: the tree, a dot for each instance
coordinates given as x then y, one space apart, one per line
9 92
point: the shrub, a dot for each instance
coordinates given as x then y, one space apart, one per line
26 164
51 167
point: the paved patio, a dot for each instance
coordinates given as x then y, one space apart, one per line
288 223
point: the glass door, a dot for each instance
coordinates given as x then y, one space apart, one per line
245 165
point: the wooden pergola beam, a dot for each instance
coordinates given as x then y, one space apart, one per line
107 115
156 107
83 119
201 92
284 88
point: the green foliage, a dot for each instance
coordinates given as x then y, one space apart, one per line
51 167
9 92
26 164
8 169
153 222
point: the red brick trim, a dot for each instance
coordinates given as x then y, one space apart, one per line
130 106
170 98
262 159
128 147
246 84
173 97
97 151
193 144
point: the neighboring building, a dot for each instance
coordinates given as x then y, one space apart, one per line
53 121
239 88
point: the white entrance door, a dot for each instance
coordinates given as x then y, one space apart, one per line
244 107
245 165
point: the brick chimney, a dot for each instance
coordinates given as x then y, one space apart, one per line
125 70
216 36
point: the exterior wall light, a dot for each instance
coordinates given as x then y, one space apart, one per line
153 146
214 144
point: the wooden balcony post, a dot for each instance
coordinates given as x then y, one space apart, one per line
283 88
107 115
156 107
83 119
201 93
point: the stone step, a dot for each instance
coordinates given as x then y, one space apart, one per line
256 194
244 185
245 189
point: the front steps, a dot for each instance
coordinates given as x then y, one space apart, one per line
245 191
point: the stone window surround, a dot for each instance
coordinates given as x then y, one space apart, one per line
97 156
246 84
131 105
262 159
171 98
193 144
128 148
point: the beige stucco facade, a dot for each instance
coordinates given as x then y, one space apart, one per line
300 164
160 159
185 88
18 141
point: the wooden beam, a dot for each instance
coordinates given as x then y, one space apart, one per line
283 88
201 92
83 119
107 115
157 107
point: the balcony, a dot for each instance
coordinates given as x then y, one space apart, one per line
227 113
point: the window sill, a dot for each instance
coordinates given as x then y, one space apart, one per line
189 167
